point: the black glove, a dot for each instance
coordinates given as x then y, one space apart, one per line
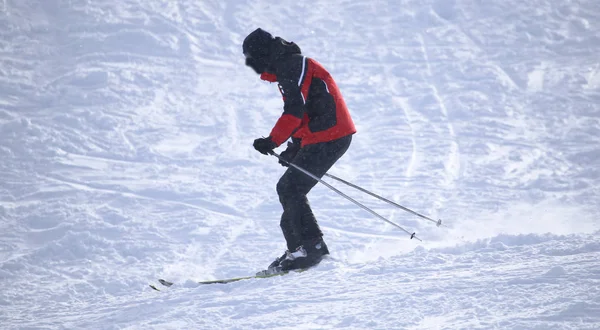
264 145
290 153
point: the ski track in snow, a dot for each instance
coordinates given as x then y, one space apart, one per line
125 138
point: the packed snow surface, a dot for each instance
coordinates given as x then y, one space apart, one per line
126 156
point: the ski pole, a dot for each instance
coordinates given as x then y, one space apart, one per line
412 235
438 223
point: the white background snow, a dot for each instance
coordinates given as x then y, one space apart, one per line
126 132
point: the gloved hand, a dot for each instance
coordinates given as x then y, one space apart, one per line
264 145
291 151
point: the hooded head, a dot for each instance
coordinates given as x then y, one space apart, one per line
262 49
257 48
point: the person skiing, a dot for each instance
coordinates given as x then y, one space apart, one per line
317 119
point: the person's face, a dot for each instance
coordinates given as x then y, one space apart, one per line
255 64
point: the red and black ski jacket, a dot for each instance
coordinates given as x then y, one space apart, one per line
314 109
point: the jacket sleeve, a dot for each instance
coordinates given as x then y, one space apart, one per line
293 82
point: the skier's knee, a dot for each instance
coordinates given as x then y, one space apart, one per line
283 187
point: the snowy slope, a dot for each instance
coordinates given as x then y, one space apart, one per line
125 146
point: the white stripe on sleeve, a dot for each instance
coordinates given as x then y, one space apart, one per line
302 72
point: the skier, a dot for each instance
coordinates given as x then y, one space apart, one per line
316 118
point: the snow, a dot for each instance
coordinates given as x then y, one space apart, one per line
126 132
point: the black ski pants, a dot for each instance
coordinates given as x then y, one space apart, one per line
298 222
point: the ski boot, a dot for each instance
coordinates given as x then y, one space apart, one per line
309 254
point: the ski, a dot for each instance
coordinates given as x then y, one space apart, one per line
163 282
261 274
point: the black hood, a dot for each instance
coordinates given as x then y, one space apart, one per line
281 47
262 50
